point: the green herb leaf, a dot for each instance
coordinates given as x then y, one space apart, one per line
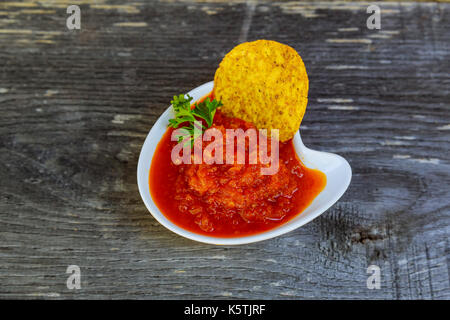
185 114
206 110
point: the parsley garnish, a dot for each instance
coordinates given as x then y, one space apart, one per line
184 114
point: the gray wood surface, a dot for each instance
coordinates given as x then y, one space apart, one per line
76 107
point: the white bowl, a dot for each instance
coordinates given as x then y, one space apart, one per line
335 167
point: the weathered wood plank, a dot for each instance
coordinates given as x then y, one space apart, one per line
77 105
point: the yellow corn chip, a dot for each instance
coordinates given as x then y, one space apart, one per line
264 82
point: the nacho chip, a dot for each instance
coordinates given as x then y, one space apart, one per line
264 82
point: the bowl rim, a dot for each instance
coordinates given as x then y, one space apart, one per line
143 170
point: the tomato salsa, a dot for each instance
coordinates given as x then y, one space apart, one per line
231 200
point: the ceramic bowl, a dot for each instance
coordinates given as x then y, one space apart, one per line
335 167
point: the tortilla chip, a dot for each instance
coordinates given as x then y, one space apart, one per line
264 82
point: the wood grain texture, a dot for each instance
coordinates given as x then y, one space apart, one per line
76 107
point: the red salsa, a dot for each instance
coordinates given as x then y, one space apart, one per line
231 200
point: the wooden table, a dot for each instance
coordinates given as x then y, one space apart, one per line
76 106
